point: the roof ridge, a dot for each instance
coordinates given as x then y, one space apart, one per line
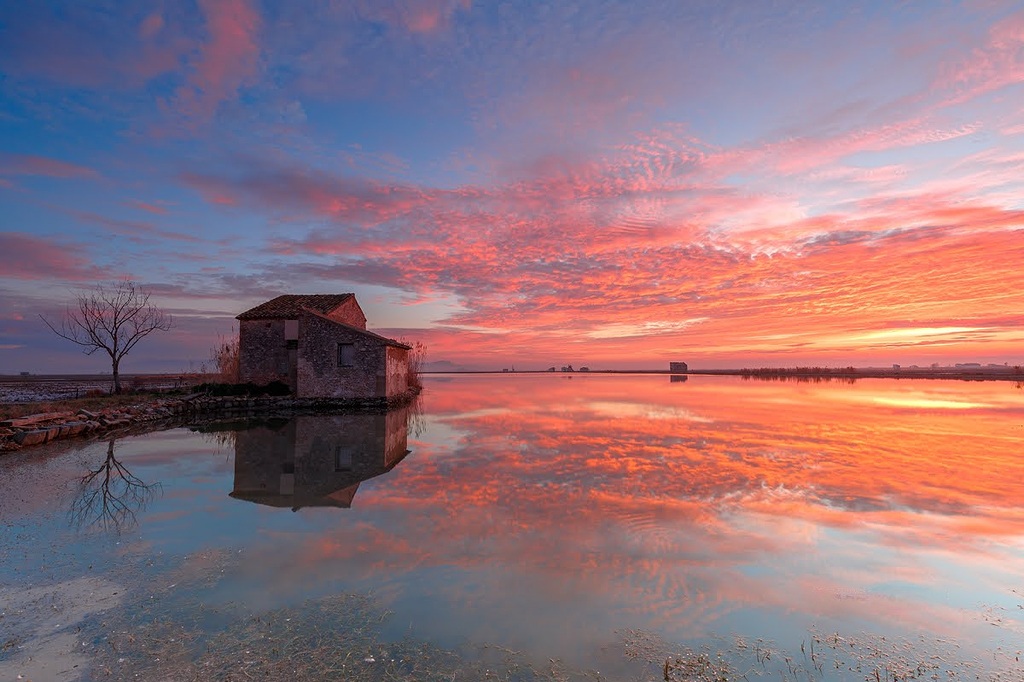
285 305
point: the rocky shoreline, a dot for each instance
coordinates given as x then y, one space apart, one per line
37 429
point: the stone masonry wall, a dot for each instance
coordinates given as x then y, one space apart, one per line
319 373
362 438
260 454
316 459
396 440
263 354
397 371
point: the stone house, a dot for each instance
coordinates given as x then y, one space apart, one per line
319 346
316 460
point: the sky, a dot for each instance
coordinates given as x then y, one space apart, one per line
523 184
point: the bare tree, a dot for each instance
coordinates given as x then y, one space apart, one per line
109 495
112 320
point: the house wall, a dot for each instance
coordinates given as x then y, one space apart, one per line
397 360
318 372
396 436
310 367
371 443
263 353
349 312
317 459
265 459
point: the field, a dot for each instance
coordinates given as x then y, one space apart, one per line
49 387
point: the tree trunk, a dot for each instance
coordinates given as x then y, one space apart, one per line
117 377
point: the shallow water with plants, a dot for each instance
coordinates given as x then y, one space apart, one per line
535 527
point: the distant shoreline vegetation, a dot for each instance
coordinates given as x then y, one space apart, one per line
963 372
849 374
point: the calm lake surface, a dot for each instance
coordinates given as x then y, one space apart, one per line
795 531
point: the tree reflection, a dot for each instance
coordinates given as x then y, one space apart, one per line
110 495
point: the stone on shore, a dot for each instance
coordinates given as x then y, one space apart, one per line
36 437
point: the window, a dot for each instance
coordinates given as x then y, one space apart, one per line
291 330
343 458
346 354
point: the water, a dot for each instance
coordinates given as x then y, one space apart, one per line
836 530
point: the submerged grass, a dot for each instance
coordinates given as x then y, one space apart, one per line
339 638
333 638
175 628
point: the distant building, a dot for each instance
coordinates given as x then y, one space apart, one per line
677 367
319 346
895 366
584 369
551 369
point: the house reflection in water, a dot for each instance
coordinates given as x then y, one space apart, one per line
316 460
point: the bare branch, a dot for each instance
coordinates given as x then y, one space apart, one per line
113 320
110 494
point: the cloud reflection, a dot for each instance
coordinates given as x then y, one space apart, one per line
689 506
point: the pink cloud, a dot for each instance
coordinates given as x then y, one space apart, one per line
43 166
151 26
155 208
24 256
995 65
415 16
361 202
806 154
554 280
133 230
648 232
228 60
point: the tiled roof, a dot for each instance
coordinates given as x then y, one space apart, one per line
289 306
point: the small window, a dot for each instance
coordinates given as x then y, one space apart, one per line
346 354
343 458
291 330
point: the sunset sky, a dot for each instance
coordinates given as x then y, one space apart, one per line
612 184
